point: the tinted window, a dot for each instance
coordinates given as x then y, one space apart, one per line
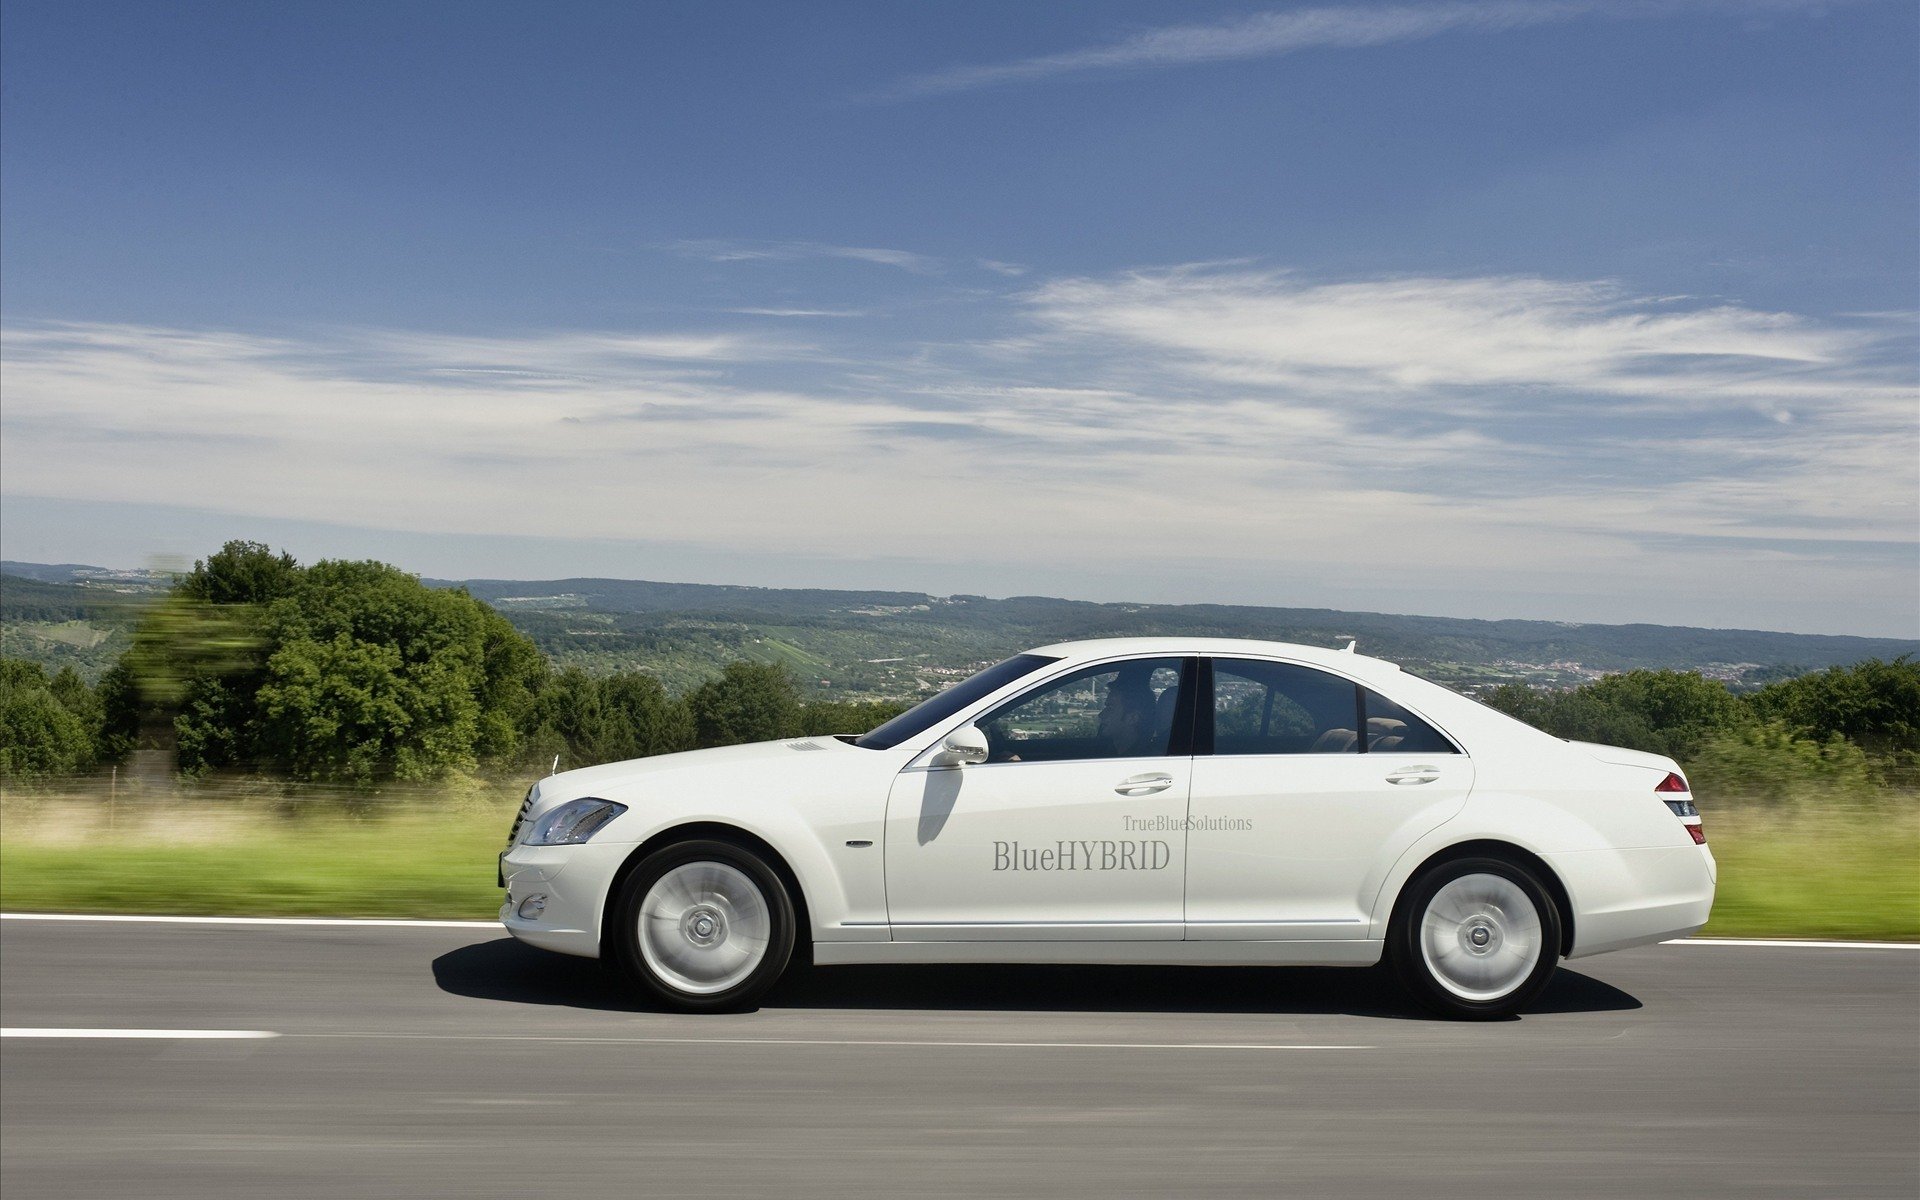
1393 730
935 709
1277 708
1114 710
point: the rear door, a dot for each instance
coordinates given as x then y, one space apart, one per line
1306 789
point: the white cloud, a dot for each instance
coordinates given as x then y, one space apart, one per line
799 312
723 250
1387 337
1230 424
1001 268
1271 34
1577 406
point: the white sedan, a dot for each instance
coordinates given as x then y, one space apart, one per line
1142 800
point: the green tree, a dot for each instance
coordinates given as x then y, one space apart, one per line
818 717
587 720
375 676
1664 712
512 673
1874 704
40 736
241 573
122 713
216 720
186 683
1517 700
77 698
1678 709
746 702
641 719
565 719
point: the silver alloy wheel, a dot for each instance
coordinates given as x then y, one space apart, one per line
1481 936
704 927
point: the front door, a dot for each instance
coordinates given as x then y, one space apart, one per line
1073 828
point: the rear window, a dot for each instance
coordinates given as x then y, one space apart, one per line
1391 729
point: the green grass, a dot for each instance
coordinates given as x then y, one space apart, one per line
1848 875
414 863
1834 875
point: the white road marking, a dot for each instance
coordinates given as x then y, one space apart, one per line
342 922
163 1034
685 1041
1792 943
409 923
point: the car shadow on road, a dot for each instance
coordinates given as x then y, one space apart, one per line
506 970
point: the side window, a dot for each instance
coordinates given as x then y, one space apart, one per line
1275 708
1393 730
1113 710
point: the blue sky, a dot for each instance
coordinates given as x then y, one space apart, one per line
1583 310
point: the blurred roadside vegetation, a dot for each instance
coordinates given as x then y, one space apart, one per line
223 848
356 675
341 738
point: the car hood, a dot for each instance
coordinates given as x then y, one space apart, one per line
587 781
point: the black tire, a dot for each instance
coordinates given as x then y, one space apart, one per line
712 860
1441 989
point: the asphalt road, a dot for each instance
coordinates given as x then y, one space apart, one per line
424 1062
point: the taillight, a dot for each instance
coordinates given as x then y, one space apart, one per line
1686 810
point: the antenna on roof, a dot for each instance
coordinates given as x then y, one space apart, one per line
556 765
1350 647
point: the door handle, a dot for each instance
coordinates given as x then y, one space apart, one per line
1144 785
1408 775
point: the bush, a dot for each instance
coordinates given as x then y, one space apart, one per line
1768 763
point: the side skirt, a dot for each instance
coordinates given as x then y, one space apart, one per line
1142 953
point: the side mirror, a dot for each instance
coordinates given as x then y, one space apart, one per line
964 745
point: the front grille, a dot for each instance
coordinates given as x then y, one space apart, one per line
519 818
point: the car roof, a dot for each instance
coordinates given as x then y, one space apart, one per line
1091 649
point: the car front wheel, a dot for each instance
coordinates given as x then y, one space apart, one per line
1476 939
704 926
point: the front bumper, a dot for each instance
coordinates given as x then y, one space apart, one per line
573 880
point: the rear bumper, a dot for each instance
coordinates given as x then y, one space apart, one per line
1625 898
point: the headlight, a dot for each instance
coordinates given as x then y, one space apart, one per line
573 822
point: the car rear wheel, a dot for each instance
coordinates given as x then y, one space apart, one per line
704 926
1475 938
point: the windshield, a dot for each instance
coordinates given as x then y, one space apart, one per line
938 708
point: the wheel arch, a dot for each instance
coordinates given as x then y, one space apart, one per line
718 831
1495 848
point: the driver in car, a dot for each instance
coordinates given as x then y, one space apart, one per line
1127 720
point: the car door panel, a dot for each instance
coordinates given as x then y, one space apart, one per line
1295 846
1087 850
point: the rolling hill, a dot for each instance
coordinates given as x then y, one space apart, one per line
884 644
